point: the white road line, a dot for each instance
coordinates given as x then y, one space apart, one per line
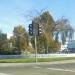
36 67
65 70
4 74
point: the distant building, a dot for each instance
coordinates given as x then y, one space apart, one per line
64 46
71 46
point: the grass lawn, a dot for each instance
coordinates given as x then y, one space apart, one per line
25 60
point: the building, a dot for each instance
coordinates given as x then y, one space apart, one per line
71 46
63 47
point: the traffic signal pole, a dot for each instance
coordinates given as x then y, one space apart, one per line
35 49
35 30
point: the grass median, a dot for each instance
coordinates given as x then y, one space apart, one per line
31 60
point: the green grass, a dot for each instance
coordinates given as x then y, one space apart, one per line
29 60
16 60
55 59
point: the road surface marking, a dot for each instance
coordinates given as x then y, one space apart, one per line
65 70
36 67
4 74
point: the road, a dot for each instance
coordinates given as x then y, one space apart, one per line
38 69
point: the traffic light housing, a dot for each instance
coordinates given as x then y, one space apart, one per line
40 29
31 29
35 29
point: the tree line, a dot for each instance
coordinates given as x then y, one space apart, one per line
54 34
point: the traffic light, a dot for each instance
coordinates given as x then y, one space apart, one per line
40 30
31 29
35 29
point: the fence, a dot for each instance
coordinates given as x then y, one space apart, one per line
38 56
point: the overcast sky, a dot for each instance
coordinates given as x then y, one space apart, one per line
12 11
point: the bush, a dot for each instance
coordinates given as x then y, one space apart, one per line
13 52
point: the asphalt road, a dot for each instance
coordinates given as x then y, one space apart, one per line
38 69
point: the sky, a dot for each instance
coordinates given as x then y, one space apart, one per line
14 12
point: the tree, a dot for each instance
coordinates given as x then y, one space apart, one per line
45 40
48 24
63 29
20 38
4 46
